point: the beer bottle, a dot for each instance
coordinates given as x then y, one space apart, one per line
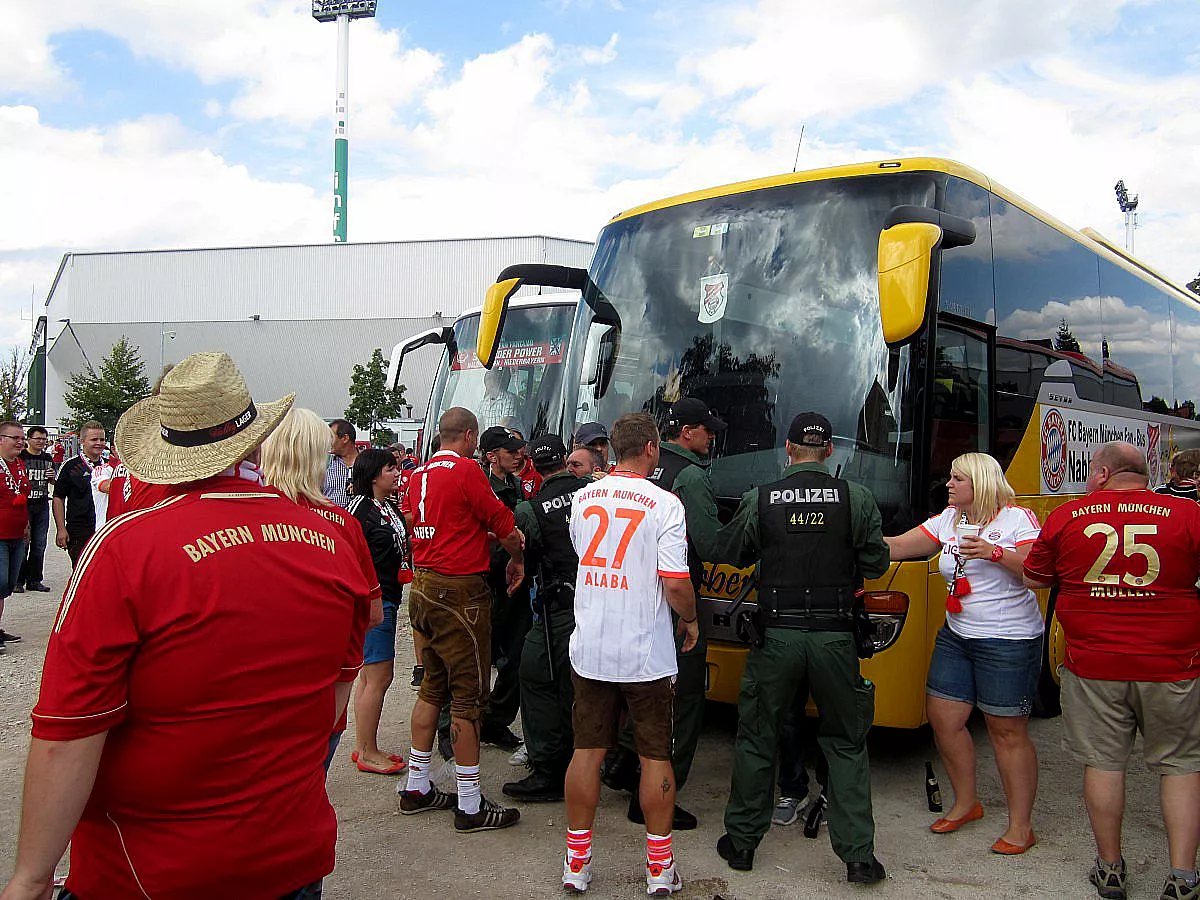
933 790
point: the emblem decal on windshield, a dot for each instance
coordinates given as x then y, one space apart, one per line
714 297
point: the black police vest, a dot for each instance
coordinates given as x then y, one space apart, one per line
808 561
552 509
669 466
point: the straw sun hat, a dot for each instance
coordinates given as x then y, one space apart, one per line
200 423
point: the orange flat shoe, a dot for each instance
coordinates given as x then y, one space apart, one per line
945 826
1004 848
394 757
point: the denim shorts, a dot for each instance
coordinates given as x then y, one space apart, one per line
380 642
998 676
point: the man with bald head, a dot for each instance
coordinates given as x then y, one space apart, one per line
1126 561
451 510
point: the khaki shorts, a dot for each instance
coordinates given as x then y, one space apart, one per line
596 714
1101 719
454 614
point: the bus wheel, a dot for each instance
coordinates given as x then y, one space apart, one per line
1046 702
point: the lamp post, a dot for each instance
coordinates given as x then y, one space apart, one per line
341 11
1128 206
163 337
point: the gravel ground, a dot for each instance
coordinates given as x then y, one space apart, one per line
383 855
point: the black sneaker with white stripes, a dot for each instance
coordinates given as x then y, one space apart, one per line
490 817
412 802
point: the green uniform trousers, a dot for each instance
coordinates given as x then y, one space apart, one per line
689 708
546 702
511 618
826 661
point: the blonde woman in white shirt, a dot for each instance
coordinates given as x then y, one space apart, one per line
989 652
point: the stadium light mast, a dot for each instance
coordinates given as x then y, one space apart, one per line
1128 206
341 11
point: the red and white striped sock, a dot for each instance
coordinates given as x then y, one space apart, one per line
579 844
469 798
658 850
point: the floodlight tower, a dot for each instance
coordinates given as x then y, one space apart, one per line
341 11
1128 206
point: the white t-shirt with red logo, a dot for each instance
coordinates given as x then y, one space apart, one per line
999 605
629 534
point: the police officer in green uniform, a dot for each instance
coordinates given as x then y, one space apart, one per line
816 538
688 434
511 615
546 689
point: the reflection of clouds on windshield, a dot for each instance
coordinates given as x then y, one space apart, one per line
1012 238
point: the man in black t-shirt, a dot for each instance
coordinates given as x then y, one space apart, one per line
40 469
74 508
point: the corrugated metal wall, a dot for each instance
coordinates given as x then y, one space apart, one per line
322 309
323 281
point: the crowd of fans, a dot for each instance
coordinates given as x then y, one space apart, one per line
143 752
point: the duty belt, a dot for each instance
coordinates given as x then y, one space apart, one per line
801 622
823 601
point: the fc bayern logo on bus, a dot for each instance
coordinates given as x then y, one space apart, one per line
1054 450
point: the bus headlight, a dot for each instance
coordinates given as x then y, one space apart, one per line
888 610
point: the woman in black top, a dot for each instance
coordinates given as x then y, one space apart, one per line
373 481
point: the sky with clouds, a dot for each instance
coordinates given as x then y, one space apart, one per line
136 124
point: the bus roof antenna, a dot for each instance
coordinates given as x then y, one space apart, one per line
796 161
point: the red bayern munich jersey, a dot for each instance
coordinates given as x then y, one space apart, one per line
197 633
1126 564
452 509
127 493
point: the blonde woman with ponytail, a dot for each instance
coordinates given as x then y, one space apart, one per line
989 652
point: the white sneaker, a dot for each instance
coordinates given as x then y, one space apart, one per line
520 758
660 881
577 875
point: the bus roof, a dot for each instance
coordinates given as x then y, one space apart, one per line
1088 237
564 298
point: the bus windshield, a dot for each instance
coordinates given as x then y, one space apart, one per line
763 305
523 388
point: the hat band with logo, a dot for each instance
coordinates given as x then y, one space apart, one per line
201 436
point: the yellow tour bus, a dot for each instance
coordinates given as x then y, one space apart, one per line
926 311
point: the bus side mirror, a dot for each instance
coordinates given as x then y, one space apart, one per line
424 339
907 245
511 280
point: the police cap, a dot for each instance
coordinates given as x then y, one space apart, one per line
811 429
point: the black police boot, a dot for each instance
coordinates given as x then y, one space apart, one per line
742 860
445 745
621 770
864 872
681 821
498 736
537 786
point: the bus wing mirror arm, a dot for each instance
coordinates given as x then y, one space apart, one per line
511 280
443 335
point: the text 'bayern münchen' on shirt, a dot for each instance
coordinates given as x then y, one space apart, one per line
1126 565
452 508
629 535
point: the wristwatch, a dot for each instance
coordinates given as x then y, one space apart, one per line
997 553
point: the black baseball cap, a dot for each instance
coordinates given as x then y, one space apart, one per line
547 448
690 411
591 431
811 429
499 438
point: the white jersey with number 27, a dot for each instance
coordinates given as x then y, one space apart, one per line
629 534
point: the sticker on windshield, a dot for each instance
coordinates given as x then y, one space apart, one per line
701 231
719 228
714 297
716 229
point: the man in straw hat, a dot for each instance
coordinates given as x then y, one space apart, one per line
159 692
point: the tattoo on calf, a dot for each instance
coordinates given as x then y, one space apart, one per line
666 786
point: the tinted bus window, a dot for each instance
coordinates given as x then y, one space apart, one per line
966 277
1019 369
959 407
1185 349
1047 292
1137 373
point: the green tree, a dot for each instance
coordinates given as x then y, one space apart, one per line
371 403
1065 340
12 385
105 395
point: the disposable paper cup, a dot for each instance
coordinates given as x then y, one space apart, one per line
968 530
